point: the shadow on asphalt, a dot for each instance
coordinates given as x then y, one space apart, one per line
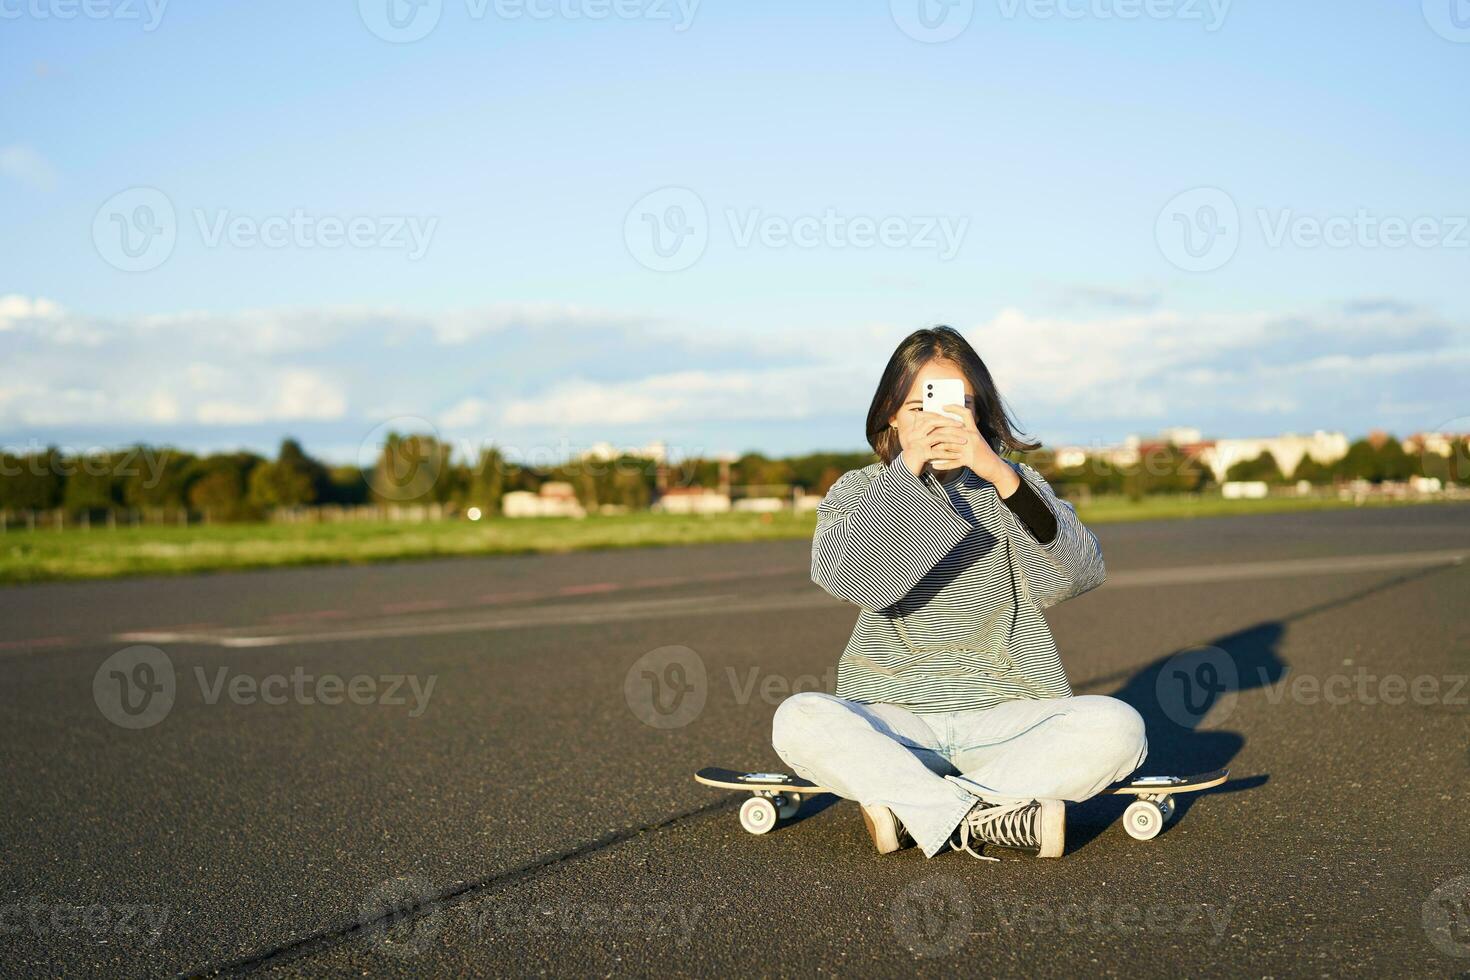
1176 692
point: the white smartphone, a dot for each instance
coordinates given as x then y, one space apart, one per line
939 392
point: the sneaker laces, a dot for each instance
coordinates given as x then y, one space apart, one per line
1007 824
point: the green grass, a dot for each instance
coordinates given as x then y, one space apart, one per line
35 556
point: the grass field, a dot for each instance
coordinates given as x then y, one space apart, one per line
44 555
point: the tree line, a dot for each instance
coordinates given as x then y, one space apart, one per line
416 469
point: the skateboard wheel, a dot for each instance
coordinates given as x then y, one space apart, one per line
758 815
1166 807
788 805
1143 820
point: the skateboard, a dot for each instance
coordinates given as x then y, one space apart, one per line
776 796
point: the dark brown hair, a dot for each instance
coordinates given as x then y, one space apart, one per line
919 348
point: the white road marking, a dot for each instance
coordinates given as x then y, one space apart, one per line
1281 568
588 613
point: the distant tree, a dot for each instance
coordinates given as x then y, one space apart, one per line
1451 468
1313 472
31 482
345 485
1378 459
293 479
487 482
155 476
218 486
91 483
1166 469
632 487
412 469
1263 467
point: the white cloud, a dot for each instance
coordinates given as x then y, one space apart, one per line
523 373
15 308
24 164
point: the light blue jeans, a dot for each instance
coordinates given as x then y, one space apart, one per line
928 768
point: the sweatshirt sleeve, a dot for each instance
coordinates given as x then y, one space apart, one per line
879 531
1070 564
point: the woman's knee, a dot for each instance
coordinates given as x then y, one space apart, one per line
802 716
1108 721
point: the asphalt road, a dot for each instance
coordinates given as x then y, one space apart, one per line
482 766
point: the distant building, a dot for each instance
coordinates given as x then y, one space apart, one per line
1180 435
692 500
555 499
1288 451
1216 454
1438 443
760 505
605 451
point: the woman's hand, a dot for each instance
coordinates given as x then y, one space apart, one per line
929 437
980 457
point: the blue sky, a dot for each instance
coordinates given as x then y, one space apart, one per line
1041 175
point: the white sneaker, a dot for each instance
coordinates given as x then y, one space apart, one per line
1031 825
887 833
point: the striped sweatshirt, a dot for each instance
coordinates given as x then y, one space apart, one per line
951 585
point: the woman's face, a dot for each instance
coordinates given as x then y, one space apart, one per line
936 368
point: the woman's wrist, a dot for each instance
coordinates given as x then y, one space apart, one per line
1006 482
998 472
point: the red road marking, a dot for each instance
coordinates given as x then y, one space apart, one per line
298 616
493 598
41 641
588 588
648 583
421 605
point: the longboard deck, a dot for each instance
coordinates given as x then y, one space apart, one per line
1169 785
776 781
734 779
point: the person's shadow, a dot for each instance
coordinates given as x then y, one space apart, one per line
1177 694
